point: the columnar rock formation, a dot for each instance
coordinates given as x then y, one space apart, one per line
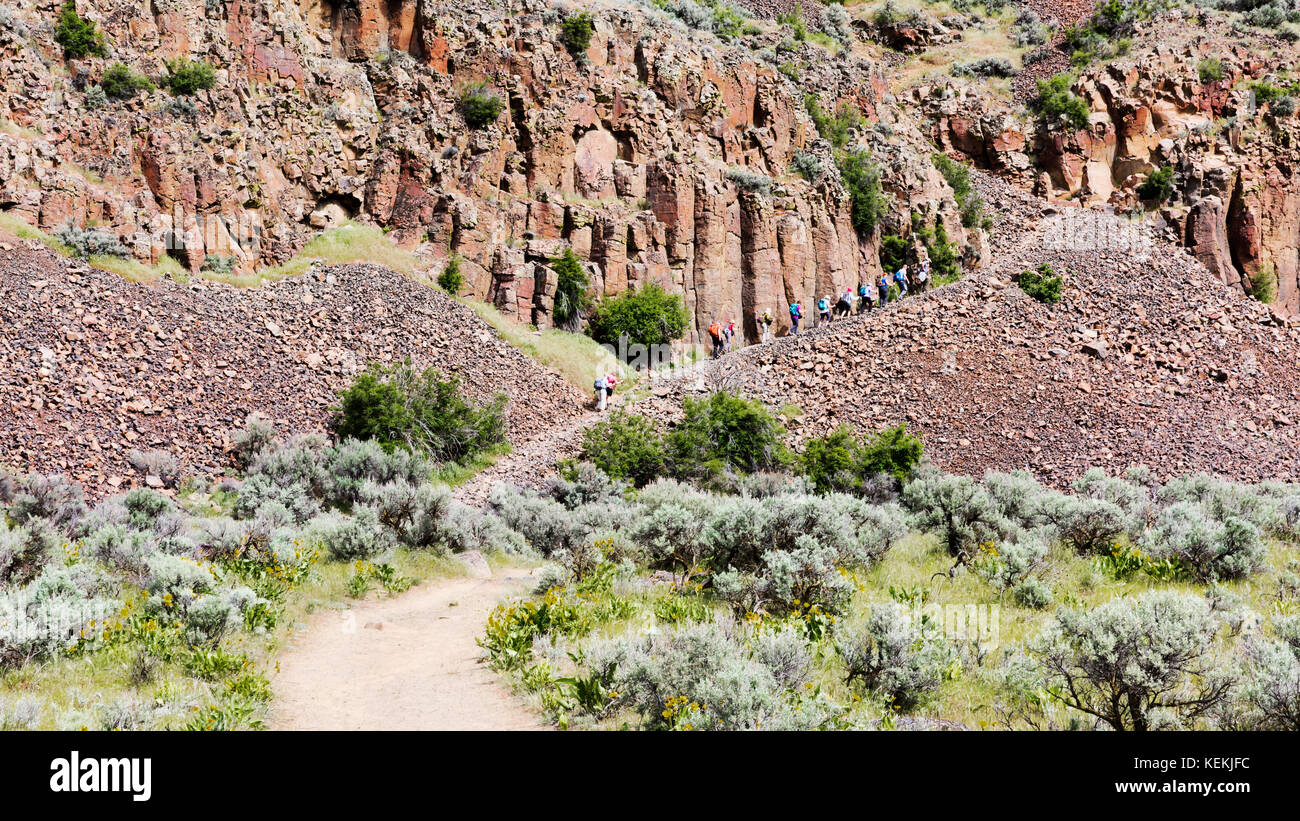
348 109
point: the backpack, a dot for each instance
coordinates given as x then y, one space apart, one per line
794 310
821 304
862 291
600 383
715 330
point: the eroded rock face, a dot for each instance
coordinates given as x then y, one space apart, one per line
348 109
1236 199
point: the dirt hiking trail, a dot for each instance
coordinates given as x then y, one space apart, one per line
405 663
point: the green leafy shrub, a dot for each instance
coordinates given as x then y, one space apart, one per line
1263 285
1159 184
575 33
1211 70
626 446
1042 284
479 105
571 284
79 37
421 412
957 176
185 76
725 433
839 462
861 179
121 83
647 316
835 129
1057 102
451 280
893 252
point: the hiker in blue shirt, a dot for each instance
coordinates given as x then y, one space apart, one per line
883 286
796 314
900 277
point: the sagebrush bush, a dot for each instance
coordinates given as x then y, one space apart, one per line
1090 526
421 412
897 656
85 243
583 483
546 524
360 536
1207 549
699 677
956 509
1128 658
751 181
1033 593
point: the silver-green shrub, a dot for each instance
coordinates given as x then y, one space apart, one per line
1130 656
897 655
1208 549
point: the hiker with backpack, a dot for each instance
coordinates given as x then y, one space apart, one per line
763 321
824 311
900 278
922 275
796 314
883 287
845 306
864 298
715 333
600 393
728 336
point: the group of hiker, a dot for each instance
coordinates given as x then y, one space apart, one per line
723 334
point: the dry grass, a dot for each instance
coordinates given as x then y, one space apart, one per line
350 242
125 267
577 358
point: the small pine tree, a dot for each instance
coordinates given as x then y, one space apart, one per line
451 280
79 38
186 76
576 32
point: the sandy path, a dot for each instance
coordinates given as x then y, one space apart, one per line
406 663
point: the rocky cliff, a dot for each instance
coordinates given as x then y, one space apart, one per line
1236 198
347 109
